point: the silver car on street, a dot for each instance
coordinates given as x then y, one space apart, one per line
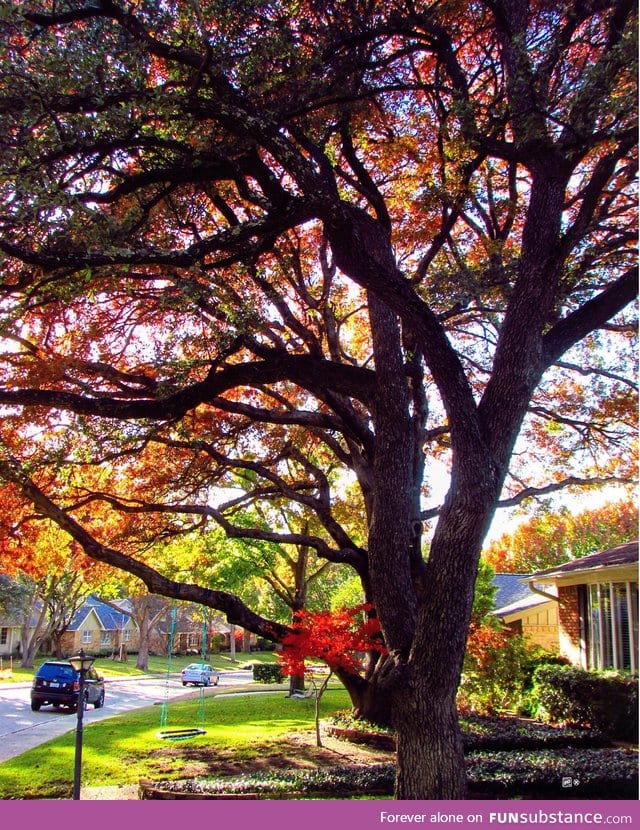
200 674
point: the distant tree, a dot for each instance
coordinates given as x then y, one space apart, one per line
554 536
484 595
43 587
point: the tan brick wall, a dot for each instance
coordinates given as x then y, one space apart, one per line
68 643
539 625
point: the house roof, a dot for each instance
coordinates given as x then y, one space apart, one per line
523 604
514 594
510 589
10 622
109 618
625 554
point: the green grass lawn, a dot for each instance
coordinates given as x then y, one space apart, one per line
157 665
126 748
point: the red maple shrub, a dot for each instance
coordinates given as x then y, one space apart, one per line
337 638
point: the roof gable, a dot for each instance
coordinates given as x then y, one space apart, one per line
108 618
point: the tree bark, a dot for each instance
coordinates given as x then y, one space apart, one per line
142 661
370 699
30 640
429 745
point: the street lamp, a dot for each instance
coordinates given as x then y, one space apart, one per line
81 664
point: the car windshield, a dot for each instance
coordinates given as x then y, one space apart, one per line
197 667
50 670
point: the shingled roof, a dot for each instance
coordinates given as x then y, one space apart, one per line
109 618
510 589
625 554
514 594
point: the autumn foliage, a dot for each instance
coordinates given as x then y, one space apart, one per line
338 638
552 537
482 642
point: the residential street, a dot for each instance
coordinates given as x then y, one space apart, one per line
22 729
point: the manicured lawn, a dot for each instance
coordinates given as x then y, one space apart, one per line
157 665
123 749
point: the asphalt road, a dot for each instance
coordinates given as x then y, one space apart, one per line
22 729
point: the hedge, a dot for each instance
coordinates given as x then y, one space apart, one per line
608 702
267 673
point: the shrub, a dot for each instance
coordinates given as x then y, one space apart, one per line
267 673
496 670
608 702
528 704
216 644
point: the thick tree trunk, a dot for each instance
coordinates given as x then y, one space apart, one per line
430 754
429 745
143 648
373 704
370 700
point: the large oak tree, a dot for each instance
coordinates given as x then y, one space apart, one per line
298 255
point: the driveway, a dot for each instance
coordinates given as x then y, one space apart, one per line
21 729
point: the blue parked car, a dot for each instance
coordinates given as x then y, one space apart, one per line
58 683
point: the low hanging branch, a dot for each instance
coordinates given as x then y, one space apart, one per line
235 610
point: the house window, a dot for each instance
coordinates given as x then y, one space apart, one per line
610 625
4 636
87 636
192 640
126 635
105 638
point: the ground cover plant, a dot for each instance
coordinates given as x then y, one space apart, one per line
483 732
609 774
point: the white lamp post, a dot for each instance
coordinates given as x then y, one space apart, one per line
81 664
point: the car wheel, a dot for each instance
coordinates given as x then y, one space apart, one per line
215 682
100 701
206 681
184 682
35 705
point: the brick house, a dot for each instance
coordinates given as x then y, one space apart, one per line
597 607
187 638
99 628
